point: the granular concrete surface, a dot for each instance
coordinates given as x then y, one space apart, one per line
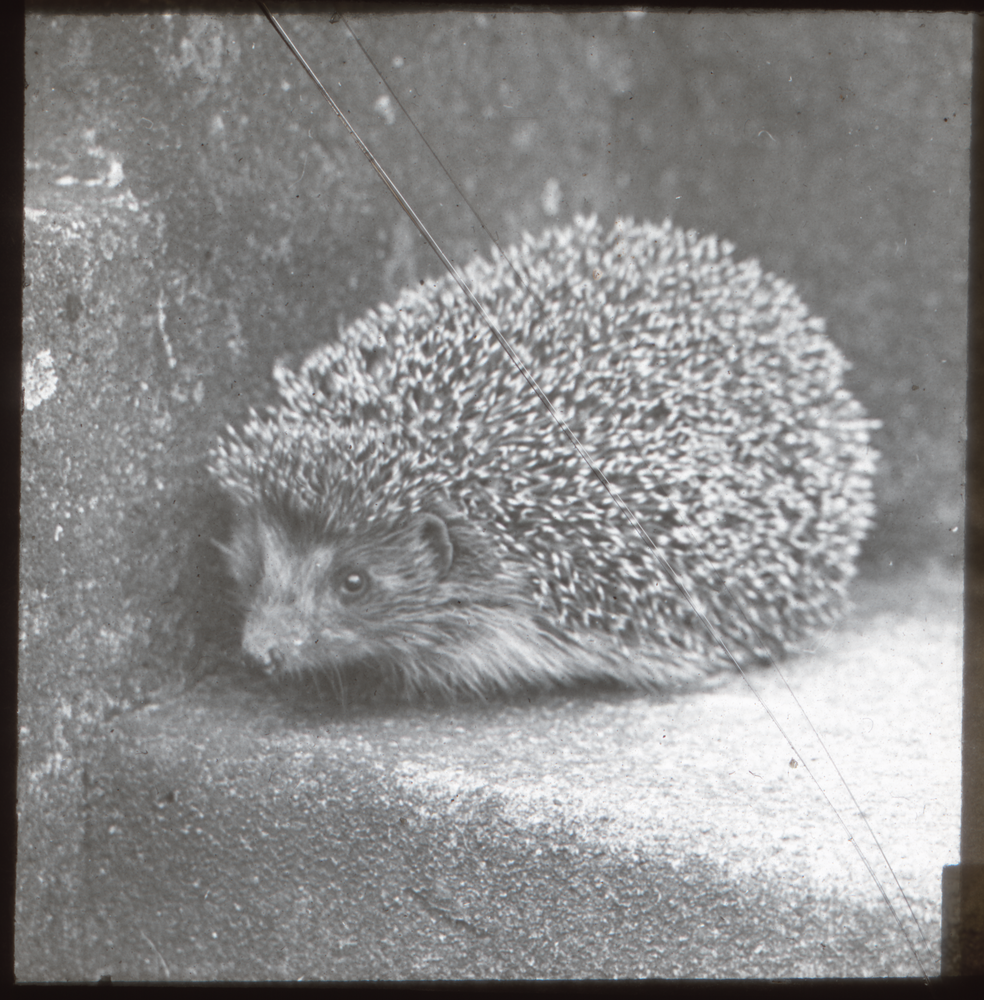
235 836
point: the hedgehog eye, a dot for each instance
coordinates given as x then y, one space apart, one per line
353 582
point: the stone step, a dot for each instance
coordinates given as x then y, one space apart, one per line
235 835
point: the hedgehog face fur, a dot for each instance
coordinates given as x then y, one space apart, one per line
411 508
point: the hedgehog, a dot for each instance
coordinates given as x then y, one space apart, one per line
410 512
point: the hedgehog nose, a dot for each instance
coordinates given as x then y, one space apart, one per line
275 660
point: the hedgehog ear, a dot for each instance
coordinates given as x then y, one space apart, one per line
432 533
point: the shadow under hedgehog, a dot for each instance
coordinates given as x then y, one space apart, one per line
411 509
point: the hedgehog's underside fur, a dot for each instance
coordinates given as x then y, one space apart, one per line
411 507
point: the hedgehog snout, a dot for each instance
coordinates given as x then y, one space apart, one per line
275 640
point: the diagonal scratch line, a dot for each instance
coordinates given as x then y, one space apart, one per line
598 473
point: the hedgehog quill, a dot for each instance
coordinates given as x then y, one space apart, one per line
410 511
